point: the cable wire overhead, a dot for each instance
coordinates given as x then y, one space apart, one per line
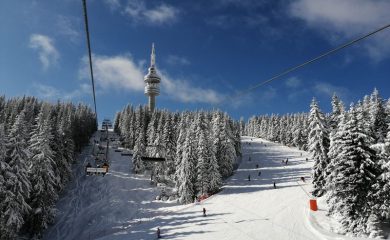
291 69
89 54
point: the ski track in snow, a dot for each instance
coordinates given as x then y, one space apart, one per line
120 206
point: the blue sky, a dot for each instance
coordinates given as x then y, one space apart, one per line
206 52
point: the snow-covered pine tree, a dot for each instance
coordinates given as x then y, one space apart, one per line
334 156
353 175
139 152
116 122
337 110
227 150
378 118
42 176
18 183
382 186
202 166
6 196
182 134
318 141
187 170
168 138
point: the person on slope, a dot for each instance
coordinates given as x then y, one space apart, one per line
87 166
274 185
204 212
158 233
249 177
259 173
286 161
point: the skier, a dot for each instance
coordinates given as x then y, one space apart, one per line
257 165
87 166
259 173
274 185
158 233
204 212
249 177
286 161
306 159
303 179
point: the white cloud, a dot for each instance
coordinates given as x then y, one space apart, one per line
122 73
293 82
113 4
348 19
327 89
52 93
177 60
45 91
268 93
48 54
162 14
66 27
184 91
117 72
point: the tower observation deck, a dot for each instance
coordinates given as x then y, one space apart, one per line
152 82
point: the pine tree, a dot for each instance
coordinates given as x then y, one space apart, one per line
203 157
6 196
337 110
139 152
42 176
180 147
170 145
186 171
382 186
318 141
378 121
353 175
18 183
228 152
336 142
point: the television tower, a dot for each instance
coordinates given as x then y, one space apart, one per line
152 81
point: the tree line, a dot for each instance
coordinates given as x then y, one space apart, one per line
351 153
38 144
200 148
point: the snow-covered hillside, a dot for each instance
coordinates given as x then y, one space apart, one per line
120 205
245 209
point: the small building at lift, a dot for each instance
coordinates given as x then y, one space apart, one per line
106 124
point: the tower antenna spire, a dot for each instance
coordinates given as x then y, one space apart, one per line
153 57
152 82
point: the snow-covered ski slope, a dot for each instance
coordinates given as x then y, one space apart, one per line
95 206
246 209
120 205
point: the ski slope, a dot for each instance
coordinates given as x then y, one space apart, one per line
121 206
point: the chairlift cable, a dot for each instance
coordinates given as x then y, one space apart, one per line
291 69
89 54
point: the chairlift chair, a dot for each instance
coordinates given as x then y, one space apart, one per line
154 159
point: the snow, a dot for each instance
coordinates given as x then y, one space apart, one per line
121 205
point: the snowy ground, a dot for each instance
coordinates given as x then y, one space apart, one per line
120 205
95 206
